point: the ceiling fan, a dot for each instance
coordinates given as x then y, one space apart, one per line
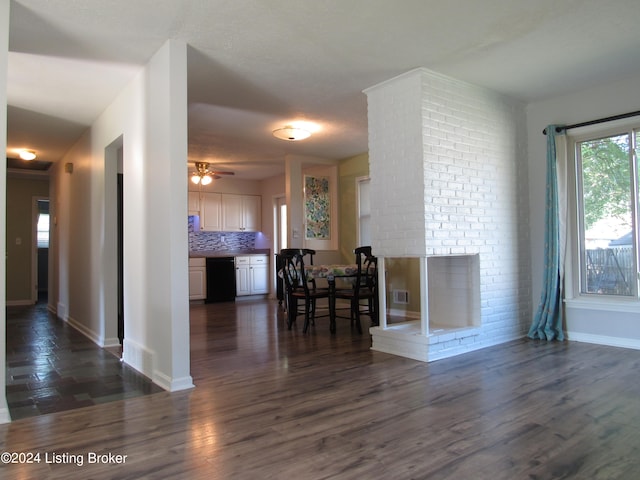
204 176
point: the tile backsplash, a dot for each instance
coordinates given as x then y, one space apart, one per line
211 241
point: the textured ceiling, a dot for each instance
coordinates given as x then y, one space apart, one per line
255 64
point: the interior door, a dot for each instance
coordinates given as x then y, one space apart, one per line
120 260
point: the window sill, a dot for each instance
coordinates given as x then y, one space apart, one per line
625 305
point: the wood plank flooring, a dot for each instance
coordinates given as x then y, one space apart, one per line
274 403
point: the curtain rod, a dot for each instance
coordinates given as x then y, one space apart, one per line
594 122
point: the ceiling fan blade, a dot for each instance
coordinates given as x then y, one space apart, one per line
222 173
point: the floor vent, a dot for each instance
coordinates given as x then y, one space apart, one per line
401 296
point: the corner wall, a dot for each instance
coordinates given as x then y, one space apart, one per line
448 165
150 118
349 169
20 193
4 51
594 320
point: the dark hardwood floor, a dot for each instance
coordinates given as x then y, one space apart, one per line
274 403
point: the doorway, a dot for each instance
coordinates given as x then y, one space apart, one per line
41 250
113 267
280 215
120 257
279 240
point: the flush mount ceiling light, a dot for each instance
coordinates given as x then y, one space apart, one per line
204 176
291 133
27 154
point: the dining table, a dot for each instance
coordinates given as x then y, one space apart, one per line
330 273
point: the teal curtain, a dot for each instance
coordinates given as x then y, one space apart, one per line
547 323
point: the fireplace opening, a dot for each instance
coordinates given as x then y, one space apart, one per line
453 290
449 298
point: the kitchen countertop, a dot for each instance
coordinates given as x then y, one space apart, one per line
228 253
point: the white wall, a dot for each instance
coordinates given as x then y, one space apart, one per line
295 168
596 323
150 117
4 50
396 166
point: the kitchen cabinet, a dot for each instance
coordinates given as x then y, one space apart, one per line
211 212
252 275
194 203
197 279
242 276
259 274
225 212
241 213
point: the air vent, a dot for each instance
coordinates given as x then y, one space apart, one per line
401 296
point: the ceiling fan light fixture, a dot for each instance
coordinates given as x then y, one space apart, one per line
204 176
291 134
27 154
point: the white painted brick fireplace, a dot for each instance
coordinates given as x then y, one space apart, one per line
448 172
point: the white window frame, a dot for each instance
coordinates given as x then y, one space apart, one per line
360 182
573 293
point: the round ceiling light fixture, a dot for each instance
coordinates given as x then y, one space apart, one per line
27 154
291 134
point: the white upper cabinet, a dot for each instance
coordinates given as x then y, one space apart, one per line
225 212
211 212
251 213
194 203
232 213
241 213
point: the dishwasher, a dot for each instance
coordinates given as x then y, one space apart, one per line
221 279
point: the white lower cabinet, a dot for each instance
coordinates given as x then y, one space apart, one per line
252 275
197 278
242 276
259 274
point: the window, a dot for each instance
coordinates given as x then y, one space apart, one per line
363 185
607 194
281 223
43 230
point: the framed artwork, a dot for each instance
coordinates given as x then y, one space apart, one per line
317 205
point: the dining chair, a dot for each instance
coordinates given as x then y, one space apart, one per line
299 288
364 288
307 256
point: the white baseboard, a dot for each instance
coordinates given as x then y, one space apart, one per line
87 332
138 356
408 314
111 342
61 311
172 385
142 359
91 335
19 303
604 340
5 416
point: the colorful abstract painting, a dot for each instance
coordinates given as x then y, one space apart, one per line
317 208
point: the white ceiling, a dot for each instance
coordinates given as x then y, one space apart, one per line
256 64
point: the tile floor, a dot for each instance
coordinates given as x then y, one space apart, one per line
52 367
